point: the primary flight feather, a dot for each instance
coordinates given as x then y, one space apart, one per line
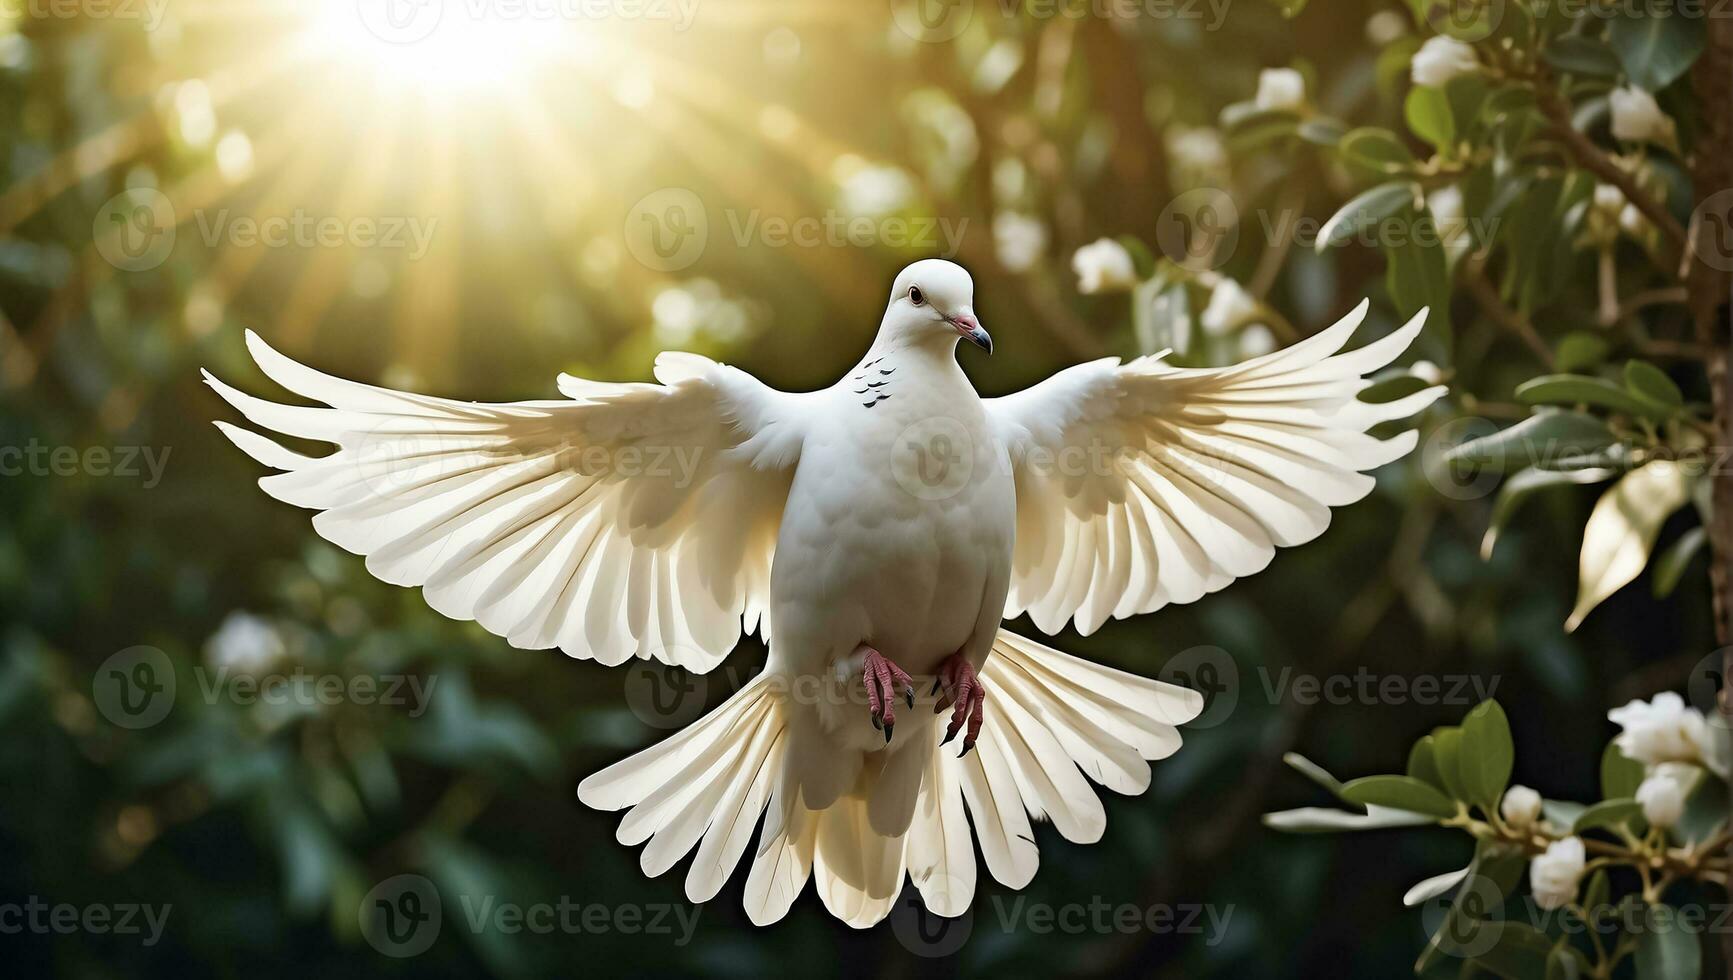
876 533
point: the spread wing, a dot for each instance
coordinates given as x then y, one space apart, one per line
1142 484
628 520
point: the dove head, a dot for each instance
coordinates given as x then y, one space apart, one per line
932 304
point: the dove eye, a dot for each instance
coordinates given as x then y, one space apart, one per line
915 296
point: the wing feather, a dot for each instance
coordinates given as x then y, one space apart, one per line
1140 484
630 520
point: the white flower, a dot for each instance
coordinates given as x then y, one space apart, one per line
1385 26
1451 220
1256 341
1229 306
1638 118
245 643
1554 875
1662 797
1632 221
1665 730
1019 240
1441 59
1609 199
1103 266
1427 372
1196 148
1520 806
1281 88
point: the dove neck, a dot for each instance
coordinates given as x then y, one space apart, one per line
933 344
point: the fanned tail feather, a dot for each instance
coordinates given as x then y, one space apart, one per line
1052 719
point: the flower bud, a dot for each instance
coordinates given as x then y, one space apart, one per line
1663 800
1103 266
1281 88
1555 874
1520 807
1229 306
1638 117
1441 59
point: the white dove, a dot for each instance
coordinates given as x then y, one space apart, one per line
876 532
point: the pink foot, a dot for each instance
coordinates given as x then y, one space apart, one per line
882 679
966 698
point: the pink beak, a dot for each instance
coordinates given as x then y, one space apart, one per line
971 330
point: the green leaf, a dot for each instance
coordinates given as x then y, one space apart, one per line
1375 151
1649 382
1620 776
1668 949
1399 793
1418 276
1598 891
1520 952
1429 116
1325 820
1142 259
1526 484
1658 48
1491 876
1323 131
1561 813
1316 773
1578 389
1447 753
1581 55
1622 529
1670 567
1705 811
1393 388
1365 210
1607 813
1487 755
1542 436
1249 131
1580 351
1423 763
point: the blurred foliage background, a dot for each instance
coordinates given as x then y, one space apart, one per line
1029 131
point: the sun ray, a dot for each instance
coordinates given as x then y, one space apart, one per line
322 277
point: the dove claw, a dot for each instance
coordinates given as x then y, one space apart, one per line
966 698
882 680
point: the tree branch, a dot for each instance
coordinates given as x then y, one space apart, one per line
1474 278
